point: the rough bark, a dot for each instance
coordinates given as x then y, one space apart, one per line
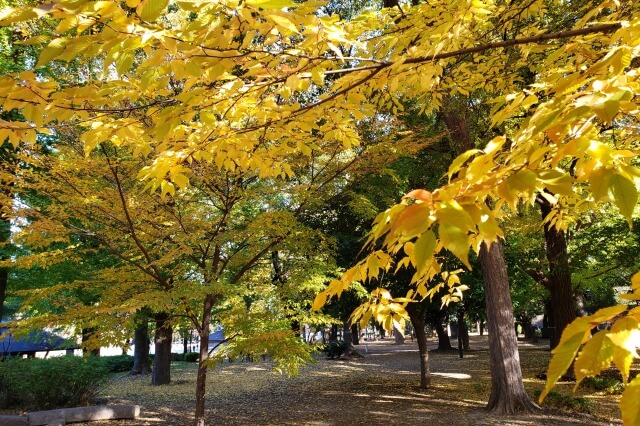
458 129
507 390
279 278
398 334
162 343
444 343
417 319
563 306
347 338
141 346
527 329
201 379
4 280
8 163
333 335
355 335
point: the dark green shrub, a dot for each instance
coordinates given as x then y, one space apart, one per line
334 349
607 384
560 400
50 383
118 363
192 357
177 357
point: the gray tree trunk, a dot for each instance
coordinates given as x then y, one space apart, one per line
201 379
558 282
444 343
417 320
355 335
162 343
141 346
398 334
507 390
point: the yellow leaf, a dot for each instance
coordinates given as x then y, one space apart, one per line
150 10
635 281
556 181
629 403
285 23
319 301
317 76
424 249
413 221
563 356
53 49
270 4
625 332
624 194
623 359
596 355
599 183
456 241
457 163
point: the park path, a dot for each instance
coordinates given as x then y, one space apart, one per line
380 388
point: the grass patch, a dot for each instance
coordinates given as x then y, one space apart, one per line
566 402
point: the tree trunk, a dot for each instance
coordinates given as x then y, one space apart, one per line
141 346
347 337
201 380
398 334
161 374
563 307
4 281
417 319
355 335
7 159
527 329
333 335
444 343
507 390
87 334
463 331
481 327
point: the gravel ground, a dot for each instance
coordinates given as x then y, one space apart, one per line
381 388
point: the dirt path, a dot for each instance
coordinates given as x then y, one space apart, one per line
378 389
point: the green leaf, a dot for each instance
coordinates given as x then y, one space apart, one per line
150 10
624 195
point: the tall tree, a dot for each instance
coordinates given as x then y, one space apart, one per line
190 86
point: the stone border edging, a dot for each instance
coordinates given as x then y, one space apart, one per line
73 415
